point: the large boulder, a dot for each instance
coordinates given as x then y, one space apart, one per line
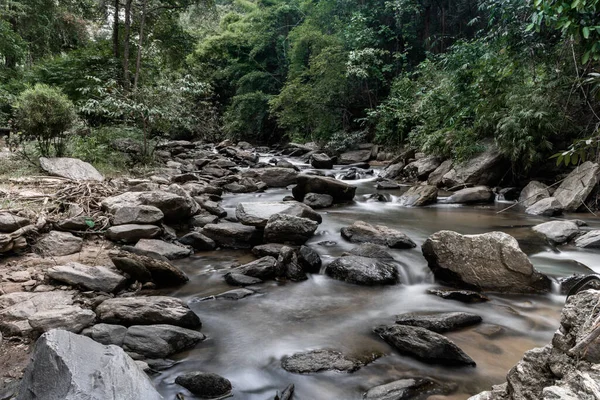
56 244
423 344
198 241
232 235
175 207
283 228
274 177
576 187
92 278
169 250
264 268
532 193
419 196
548 207
478 194
257 214
421 168
150 310
484 169
73 367
205 384
393 171
439 322
148 268
138 214
355 157
589 240
362 232
340 191
435 178
491 262
557 232
159 341
321 161
321 360
363 270
11 222
131 233
70 168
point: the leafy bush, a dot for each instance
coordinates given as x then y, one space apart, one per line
44 114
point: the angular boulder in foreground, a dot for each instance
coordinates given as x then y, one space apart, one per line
489 262
67 366
576 187
340 191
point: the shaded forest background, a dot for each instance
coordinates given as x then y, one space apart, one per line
445 76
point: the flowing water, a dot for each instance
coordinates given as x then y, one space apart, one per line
247 338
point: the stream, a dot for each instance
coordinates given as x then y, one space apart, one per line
246 339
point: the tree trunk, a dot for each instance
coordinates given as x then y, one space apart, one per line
126 82
138 61
115 33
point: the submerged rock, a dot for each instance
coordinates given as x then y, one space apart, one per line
408 389
237 279
465 296
362 232
321 360
363 270
439 322
204 384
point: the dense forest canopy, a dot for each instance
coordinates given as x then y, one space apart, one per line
444 76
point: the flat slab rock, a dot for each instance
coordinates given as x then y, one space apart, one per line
439 322
70 168
465 296
322 360
423 344
10 222
362 232
93 278
232 235
148 269
258 214
363 270
168 250
409 389
558 232
56 244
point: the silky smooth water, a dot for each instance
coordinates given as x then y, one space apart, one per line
247 338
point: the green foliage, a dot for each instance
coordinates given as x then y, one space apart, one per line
45 114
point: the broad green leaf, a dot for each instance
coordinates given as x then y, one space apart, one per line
586 32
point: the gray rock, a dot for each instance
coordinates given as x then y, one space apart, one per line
232 235
204 384
175 207
309 259
423 344
478 194
258 214
283 228
198 241
557 232
439 322
56 244
79 223
289 266
408 389
484 169
316 200
355 157
212 207
321 161
159 341
106 334
69 318
421 168
362 232
149 310
269 249
10 222
273 177
387 185
93 278
168 250
590 240
371 250
576 187
70 168
393 171
532 193
138 214
201 220
435 178
419 196
235 294
340 191
264 268
363 270
145 268
131 233
548 207
464 296
237 279
491 261
67 366
321 360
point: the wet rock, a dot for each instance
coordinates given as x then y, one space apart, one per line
11 222
478 194
232 235
362 232
408 389
70 318
274 177
393 171
321 360
289 266
355 157
56 244
363 271
237 279
159 341
371 250
387 185
439 322
201 220
145 268
283 228
204 384
421 168
316 200
235 294
168 250
70 168
423 344
264 268
484 169
65 366
97 278
149 310
175 207
258 214
465 296
131 233
533 193
340 191
491 261
590 240
419 196
212 207
576 187
139 214
321 161
198 241
548 207
435 178
309 259
557 232
269 249
106 334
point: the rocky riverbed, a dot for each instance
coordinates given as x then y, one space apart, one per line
241 270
